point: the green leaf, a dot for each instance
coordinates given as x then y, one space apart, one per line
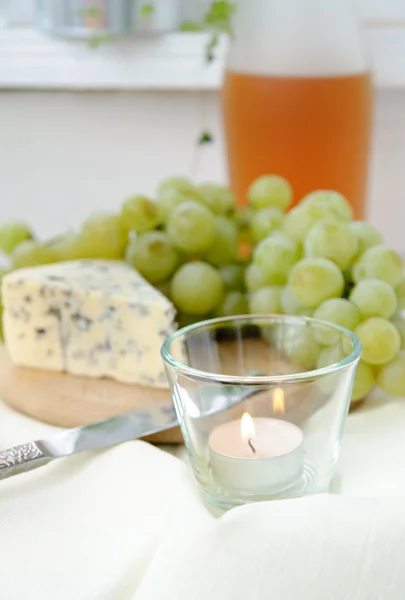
219 15
205 137
146 10
190 26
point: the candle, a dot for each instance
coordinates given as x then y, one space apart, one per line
258 455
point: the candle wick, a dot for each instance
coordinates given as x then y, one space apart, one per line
251 445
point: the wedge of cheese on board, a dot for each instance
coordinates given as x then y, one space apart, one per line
94 318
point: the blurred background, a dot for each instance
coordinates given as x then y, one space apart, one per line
94 110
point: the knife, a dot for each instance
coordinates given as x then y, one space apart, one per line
135 424
124 427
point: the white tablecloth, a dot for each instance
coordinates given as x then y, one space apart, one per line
128 524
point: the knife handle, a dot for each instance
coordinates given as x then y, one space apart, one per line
20 459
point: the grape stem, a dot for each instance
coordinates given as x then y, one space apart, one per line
217 21
199 148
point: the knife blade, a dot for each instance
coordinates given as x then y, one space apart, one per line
132 425
140 422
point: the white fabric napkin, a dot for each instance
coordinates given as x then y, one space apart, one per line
85 527
128 524
372 461
319 548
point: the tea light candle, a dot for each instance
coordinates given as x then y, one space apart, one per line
256 456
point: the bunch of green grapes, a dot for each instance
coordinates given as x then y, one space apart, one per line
316 261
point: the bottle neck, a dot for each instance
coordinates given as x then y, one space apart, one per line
297 37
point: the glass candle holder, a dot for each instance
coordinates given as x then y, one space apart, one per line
261 402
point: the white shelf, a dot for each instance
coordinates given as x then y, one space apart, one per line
31 60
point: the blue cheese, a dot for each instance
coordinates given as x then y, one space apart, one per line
94 318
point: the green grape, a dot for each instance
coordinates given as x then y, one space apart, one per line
139 214
380 340
364 382
196 288
181 185
265 301
169 198
329 356
379 262
191 228
256 278
166 203
334 202
400 293
375 298
270 190
12 234
264 222
289 304
103 236
399 322
276 255
301 348
71 246
225 248
316 207
31 254
314 280
338 311
367 235
300 220
152 254
234 303
297 223
217 198
233 277
391 377
333 240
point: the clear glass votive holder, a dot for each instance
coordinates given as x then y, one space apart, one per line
261 401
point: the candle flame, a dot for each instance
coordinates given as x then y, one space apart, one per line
278 401
247 427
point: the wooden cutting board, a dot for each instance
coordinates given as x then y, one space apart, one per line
69 401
